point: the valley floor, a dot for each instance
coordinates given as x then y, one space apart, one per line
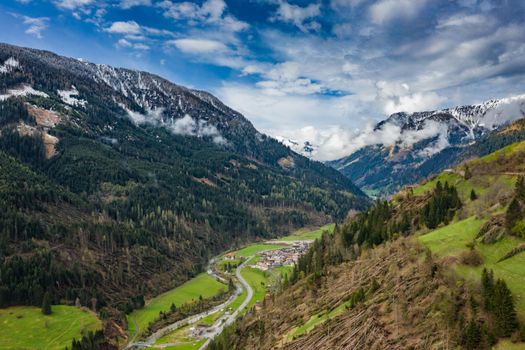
252 285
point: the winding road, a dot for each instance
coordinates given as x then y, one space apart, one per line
219 324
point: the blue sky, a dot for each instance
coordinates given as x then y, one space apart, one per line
308 70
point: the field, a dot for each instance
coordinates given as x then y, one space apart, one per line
451 241
306 234
256 248
258 280
202 285
25 327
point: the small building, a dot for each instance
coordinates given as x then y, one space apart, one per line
230 256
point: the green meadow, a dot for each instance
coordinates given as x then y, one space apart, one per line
452 240
256 248
25 327
308 234
202 285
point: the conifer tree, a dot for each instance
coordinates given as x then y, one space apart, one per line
46 304
472 335
505 320
513 214
473 195
487 287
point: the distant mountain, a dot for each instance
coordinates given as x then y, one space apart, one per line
428 142
306 148
117 183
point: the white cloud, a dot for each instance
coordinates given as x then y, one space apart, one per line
198 46
284 113
461 20
140 46
301 17
123 43
396 97
342 30
337 142
36 25
210 12
72 4
344 4
127 4
385 11
186 126
189 126
119 27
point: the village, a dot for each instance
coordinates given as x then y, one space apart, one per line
281 257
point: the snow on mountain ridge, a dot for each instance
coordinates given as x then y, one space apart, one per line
9 64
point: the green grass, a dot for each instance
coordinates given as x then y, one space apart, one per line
25 327
503 152
238 301
190 346
464 187
315 320
253 249
508 345
305 234
258 280
222 263
210 319
451 241
202 285
178 335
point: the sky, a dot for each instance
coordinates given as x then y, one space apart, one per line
321 71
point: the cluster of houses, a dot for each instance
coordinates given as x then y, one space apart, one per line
284 256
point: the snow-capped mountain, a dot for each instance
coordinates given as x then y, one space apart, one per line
407 147
305 148
96 99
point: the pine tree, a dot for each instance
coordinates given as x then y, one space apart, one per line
487 288
505 321
46 304
473 195
472 335
513 214
468 173
520 188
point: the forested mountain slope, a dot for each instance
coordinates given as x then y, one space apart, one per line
117 184
439 266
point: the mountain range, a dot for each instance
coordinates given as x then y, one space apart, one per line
409 147
117 183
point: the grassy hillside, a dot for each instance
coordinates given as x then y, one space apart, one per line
456 239
25 327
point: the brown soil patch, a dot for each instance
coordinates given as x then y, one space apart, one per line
286 162
43 117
